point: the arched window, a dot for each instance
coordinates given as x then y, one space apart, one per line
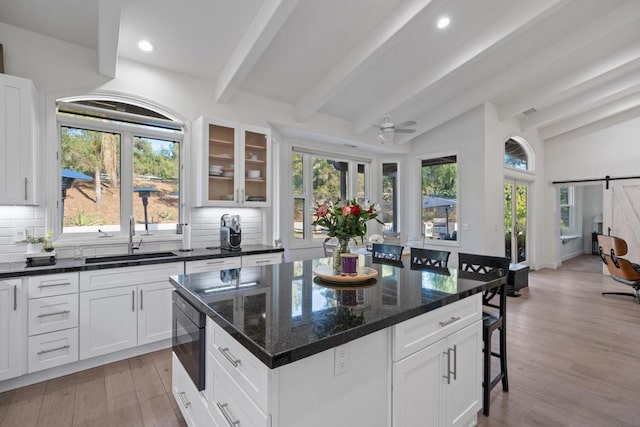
117 160
516 155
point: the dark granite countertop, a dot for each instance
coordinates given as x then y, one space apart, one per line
283 313
64 265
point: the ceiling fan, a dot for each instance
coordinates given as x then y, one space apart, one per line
387 130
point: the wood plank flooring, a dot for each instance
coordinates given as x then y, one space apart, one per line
133 392
574 360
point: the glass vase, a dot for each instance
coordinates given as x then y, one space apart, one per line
341 248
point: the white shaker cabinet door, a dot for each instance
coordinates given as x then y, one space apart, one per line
11 333
154 312
108 321
418 387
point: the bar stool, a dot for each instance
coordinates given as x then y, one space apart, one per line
494 317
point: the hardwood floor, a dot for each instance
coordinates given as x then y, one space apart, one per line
133 392
573 354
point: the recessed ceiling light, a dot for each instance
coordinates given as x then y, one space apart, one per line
443 22
145 45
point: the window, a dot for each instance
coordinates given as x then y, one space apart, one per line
316 179
389 202
515 155
115 163
566 207
440 197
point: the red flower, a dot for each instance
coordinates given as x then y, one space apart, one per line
346 210
370 211
322 211
355 210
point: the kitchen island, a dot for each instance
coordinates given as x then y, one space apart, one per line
285 349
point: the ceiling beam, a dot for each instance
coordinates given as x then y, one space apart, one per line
513 23
601 95
109 12
594 115
261 31
581 40
625 116
356 61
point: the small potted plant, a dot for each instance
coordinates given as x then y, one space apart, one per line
35 243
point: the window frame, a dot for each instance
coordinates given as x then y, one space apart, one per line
418 180
127 134
569 205
307 190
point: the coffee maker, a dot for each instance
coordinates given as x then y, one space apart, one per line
230 234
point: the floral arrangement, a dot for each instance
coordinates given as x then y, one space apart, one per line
376 238
345 220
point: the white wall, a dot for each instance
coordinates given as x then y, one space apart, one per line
463 136
612 151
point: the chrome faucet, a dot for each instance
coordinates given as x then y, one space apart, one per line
132 232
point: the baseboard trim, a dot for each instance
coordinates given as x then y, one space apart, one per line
81 365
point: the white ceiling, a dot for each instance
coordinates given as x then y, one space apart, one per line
577 62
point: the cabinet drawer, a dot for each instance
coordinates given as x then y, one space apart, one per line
417 333
53 313
53 284
127 276
52 349
191 402
262 259
215 264
228 404
246 370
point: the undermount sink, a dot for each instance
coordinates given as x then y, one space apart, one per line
125 257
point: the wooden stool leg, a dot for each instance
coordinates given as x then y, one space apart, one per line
486 385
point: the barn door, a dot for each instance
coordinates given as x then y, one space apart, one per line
622 214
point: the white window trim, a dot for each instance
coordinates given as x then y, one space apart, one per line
571 230
52 168
418 180
307 191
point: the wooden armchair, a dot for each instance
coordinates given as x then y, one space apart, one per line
610 249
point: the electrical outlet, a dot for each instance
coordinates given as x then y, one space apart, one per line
19 235
341 360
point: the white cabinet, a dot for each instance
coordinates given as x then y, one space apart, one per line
216 264
262 259
17 141
437 375
115 317
192 403
231 164
12 307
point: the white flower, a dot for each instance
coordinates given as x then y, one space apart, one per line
376 238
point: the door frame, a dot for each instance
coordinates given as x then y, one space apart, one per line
528 181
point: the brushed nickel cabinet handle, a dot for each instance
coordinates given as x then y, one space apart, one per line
227 415
242 196
225 352
448 376
15 297
184 400
53 314
215 262
263 261
64 347
455 361
51 285
133 300
26 184
141 299
448 322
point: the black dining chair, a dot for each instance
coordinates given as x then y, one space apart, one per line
429 258
494 317
381 252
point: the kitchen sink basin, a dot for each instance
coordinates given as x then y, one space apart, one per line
125 257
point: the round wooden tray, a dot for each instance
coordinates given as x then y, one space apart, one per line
327 274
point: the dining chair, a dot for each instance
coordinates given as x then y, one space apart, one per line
611 249
382 252
494 317
429 258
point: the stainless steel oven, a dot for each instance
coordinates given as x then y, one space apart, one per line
189 338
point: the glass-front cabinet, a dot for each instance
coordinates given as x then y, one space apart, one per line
231 164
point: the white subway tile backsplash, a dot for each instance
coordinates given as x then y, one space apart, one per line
31 218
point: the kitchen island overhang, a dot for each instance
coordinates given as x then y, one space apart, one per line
297 329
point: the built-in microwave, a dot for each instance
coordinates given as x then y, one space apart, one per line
189 338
